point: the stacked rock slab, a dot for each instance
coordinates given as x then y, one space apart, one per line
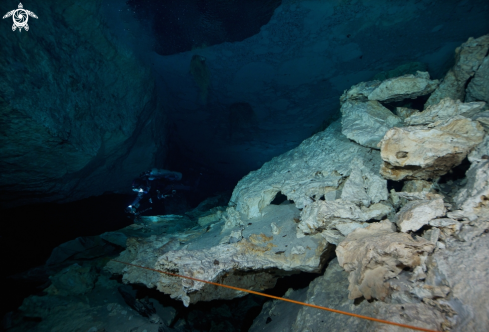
436 280
468 58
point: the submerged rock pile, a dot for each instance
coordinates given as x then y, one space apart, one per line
336 188
416 256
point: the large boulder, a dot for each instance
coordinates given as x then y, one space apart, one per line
366 122
444 110
376 254
331 290
428 152
313 170
403 87
238 251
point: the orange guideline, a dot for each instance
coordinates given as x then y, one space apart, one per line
283 299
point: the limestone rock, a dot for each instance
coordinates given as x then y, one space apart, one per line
377 253
331 290
245 263
322 215
468 58
425 153
463 266
483 119
366 122
445 109
481 151
377 211
304 174
403 87
363 186
474 197
359 92
478 88
416 214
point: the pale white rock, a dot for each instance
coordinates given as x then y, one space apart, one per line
463 267
468 59
363 186
425 153
377 211
478 88
331 290
403 87
447 226
366 122
332 236
311 170
320 215
418 195
416 214
483 119
404 112
231 218
275 229
375 254
346 228
432 235
481 151
298 250
201 253
472 199
445 109
359 92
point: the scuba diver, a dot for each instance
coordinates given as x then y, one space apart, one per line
156 184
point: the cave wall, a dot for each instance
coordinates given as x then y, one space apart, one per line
79 115
294 70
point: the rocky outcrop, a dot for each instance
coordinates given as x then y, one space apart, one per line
416 214
377 253
69 117
366 122
428 152
242 253
473 199
468 58
403 87
331 290
314 169
478 88
444 110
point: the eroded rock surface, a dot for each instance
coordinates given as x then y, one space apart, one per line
214 253
376 254
366 122
428 152
468 58
416 214
314 169
445 109
403 87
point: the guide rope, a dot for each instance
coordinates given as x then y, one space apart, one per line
282 299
